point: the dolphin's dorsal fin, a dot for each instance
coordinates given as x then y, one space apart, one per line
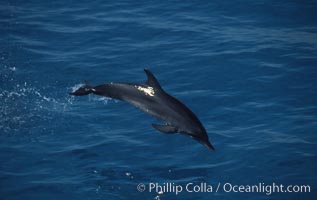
151 80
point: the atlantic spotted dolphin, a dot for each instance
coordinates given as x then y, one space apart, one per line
152 99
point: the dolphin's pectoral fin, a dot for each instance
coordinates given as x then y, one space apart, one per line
165 128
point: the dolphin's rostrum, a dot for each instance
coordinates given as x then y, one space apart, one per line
152 99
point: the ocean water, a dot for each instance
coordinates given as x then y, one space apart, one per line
248 69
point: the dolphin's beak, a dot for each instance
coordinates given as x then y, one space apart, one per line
209 146
204 142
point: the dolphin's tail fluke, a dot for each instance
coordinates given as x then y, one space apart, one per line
83 90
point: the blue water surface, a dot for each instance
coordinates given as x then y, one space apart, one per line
246 68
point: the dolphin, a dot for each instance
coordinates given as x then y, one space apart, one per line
153 100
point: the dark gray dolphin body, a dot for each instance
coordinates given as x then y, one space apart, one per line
152 99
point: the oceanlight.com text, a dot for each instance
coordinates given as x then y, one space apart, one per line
227 187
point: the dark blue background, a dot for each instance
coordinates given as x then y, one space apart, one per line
246 68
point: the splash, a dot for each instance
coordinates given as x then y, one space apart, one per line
104 100
23 104
26 106
76 87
